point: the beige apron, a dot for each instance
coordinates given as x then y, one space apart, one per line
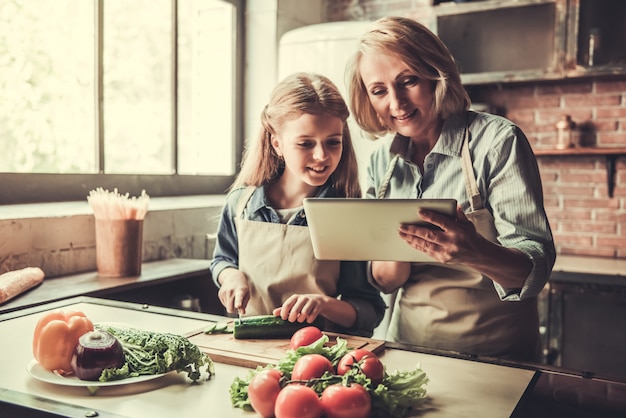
278 260
453 307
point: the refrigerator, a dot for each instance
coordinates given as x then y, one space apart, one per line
325 48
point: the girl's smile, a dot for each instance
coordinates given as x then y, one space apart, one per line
311 146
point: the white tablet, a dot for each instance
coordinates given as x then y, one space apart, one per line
367 229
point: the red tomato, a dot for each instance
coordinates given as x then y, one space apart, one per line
263 391
340 401
305 336
297 401
369 363
311 366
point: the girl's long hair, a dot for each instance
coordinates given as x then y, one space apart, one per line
298 94
423 52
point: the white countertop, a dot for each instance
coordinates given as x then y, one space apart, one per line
590 265
457 387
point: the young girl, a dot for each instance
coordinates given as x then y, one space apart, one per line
263 261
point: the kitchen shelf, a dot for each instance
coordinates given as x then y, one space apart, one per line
505 41
611 155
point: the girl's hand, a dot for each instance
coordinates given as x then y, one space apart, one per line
301 308
234 292
457 240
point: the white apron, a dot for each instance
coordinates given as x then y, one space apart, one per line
278 260
453 307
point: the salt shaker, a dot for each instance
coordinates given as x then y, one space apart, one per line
565 132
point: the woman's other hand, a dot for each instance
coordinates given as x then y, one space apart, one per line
234 292
454 241
457 241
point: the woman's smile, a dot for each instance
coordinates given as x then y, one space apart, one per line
405 116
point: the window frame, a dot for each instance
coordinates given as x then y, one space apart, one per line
20 188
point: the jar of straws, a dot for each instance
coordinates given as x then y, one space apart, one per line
119 231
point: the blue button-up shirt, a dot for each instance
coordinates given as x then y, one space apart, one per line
507 177
353 286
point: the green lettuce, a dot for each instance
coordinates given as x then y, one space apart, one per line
399 394
147 352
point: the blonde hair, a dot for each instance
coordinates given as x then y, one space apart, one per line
298 94
423 52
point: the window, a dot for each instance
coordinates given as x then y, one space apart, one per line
135 95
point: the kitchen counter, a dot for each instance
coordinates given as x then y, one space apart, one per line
596 270
458 386
153 274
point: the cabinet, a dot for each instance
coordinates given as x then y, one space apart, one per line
586 322
598 42
524 40
586 316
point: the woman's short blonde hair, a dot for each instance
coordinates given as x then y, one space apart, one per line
424 53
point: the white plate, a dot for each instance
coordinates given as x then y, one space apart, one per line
38 372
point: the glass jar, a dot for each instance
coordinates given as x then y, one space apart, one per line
565 132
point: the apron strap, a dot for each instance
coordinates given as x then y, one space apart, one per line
476 202
243 200
385 183
471 188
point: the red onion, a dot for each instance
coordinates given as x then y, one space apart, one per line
96 351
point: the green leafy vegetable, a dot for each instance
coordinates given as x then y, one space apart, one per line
148 352
398 394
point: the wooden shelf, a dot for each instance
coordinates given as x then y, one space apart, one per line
611 154
581 151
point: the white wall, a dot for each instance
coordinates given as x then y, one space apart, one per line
60 237
266 22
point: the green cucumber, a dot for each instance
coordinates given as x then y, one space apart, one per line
218 328
264 327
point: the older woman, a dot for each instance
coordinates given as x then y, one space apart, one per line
493 259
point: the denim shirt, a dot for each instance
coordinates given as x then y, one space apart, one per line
507 177
352 287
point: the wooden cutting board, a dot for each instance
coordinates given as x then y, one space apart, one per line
224 348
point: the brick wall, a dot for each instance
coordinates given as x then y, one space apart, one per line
584 219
